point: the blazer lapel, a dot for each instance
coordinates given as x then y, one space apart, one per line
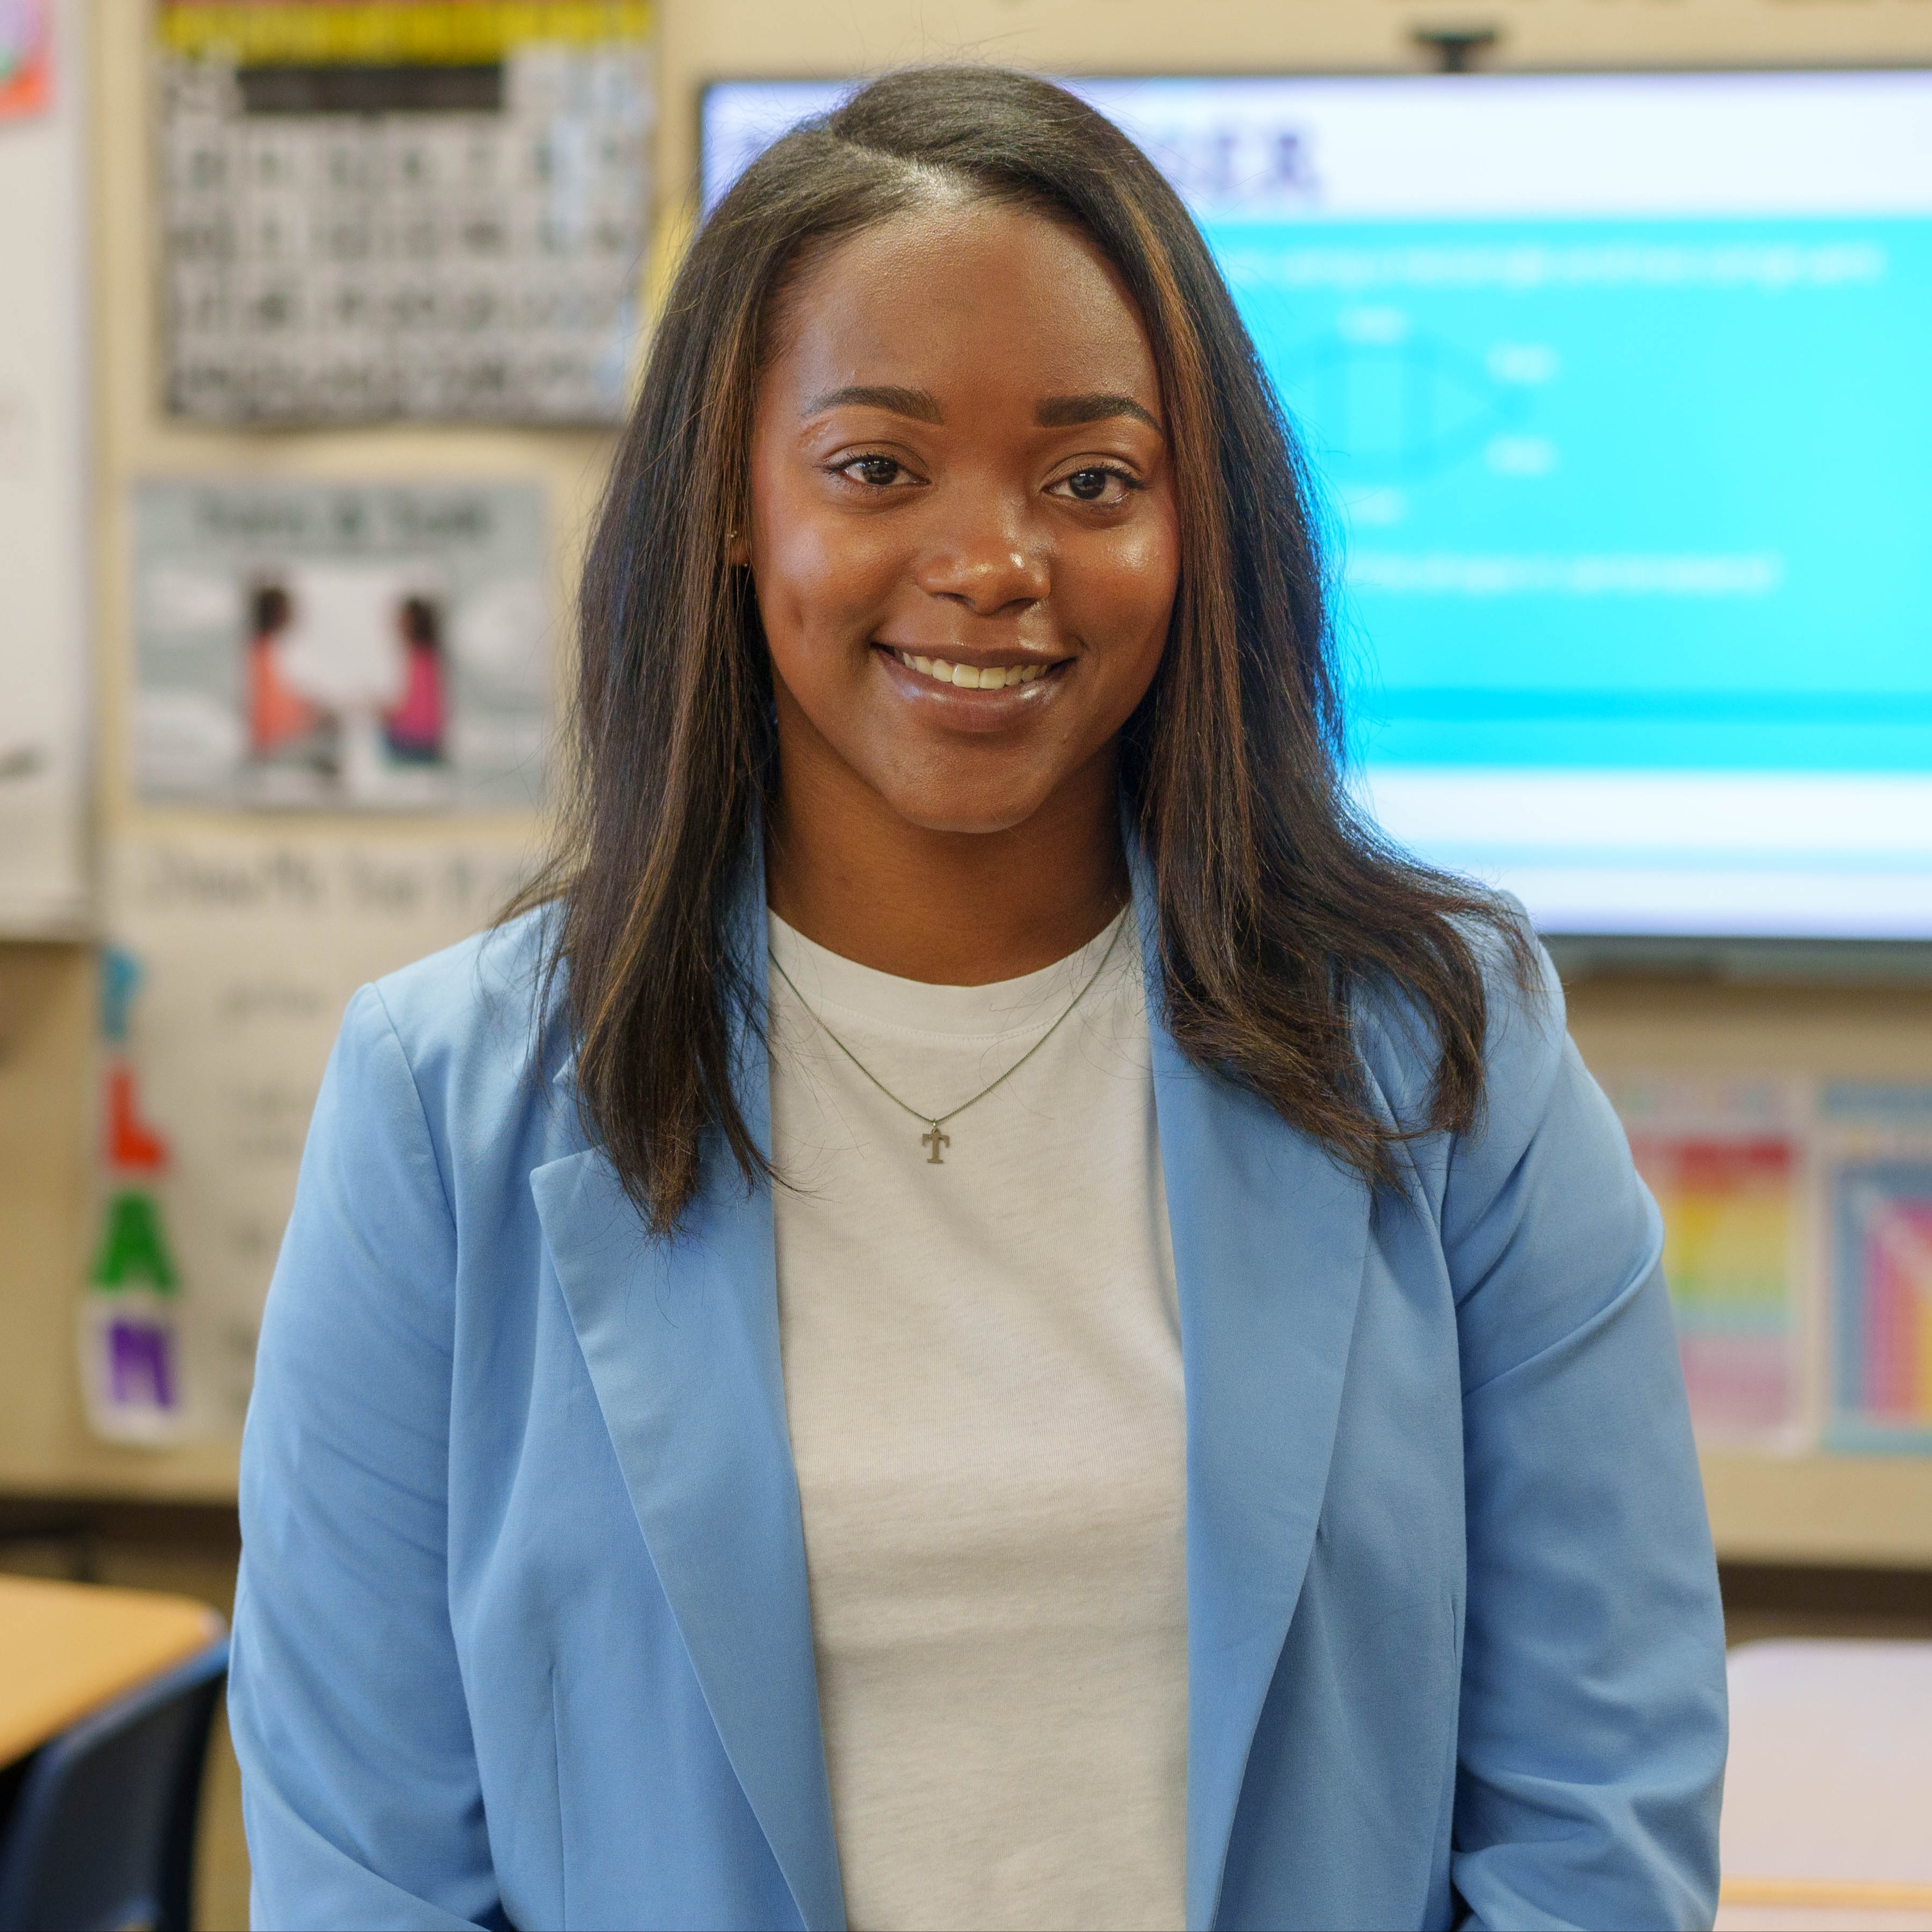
681 1337
1270 1237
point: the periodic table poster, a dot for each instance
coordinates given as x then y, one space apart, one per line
428 209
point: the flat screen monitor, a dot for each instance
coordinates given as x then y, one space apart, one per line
1618 389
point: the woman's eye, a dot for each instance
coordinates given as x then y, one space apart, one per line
881 472
1096 484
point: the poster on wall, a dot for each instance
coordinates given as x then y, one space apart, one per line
1879 1138
340 645
437 211
26 58
45 510
1726 1161
231 960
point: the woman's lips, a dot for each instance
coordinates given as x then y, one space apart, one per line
975 677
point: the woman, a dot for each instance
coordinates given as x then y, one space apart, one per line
413 727
988 1314
283 725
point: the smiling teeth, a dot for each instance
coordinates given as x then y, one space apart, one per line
970 677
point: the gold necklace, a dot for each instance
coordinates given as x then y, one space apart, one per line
935 1137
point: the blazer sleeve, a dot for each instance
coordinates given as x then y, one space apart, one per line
1593 1720
360 1791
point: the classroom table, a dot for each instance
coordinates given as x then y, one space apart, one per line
68 1649
1827 1798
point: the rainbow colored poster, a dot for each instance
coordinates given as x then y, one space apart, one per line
1724 1161
1882 1267
134 1372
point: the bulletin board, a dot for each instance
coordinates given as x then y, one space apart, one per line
43 588
435 211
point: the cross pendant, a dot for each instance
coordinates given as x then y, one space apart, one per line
935 1140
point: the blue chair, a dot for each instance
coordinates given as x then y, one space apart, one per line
102 1832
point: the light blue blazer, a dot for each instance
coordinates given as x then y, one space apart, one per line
523 1635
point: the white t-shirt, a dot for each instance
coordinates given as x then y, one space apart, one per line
982 1375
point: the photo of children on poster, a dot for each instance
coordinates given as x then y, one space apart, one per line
329 647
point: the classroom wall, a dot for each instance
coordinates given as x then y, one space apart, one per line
1839 1509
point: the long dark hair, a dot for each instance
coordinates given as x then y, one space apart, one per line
1277 903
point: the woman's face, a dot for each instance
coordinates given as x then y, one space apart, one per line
963 528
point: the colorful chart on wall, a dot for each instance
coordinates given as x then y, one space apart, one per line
231 959
1881 1266
437 210
26 58
333 646
1726 1161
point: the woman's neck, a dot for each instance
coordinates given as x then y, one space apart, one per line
950 908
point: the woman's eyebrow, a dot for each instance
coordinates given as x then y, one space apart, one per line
1065 412
918 404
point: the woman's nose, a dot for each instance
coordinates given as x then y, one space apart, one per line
989 562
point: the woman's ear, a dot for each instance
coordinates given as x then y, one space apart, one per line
738 548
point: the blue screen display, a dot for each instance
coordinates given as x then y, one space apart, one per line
1619 392
1598 521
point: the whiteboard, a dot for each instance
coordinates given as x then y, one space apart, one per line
43 506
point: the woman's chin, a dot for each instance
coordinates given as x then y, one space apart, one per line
986 789
943 812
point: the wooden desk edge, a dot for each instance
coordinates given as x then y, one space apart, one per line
176 1628
1870 1894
